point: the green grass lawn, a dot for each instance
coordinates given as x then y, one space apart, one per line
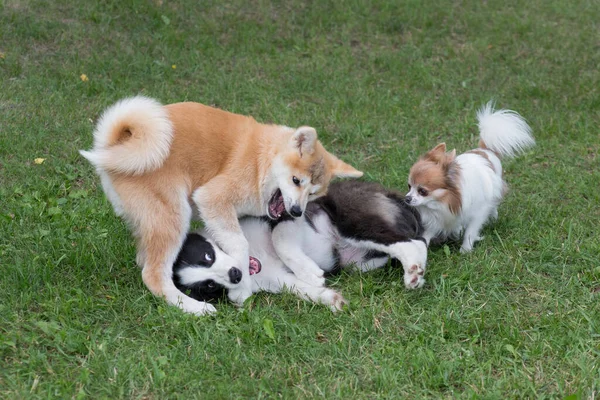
382 83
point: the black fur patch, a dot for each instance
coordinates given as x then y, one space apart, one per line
312 209
353 208
337 268
197 252
371 254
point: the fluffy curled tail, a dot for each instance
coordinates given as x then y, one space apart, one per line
504 132
132 137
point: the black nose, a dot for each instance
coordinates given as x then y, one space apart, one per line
408 199
235 275
296 211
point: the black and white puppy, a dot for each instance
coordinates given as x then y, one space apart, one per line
204 272
357 223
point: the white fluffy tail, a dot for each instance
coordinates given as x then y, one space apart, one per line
505 132
132 137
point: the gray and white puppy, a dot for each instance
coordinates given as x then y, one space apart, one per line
356 223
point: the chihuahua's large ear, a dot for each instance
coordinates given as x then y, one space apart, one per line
437 154
451 155
340 169
304 140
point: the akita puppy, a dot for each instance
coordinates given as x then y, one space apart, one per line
156 161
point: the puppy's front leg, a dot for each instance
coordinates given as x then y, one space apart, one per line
289 249
233 242
279 278
221 220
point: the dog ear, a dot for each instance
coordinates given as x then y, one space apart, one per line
440 148
340 169
304 140
451 155
437 154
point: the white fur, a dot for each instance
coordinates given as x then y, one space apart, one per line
412 255
481 186
294 255
292 252
274 276
372 264
308 252
148 147
111 193
481 190
504 131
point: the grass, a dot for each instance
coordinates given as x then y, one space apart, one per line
382 83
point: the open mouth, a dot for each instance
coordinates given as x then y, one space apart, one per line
276 206
255 266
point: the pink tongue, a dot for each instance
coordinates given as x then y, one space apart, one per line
277 207
255 266
280 206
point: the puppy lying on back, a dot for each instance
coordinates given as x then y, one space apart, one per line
202 270
458 195
156 162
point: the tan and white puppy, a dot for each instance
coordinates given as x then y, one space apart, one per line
457 195
156 161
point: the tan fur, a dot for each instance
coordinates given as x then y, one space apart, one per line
483 154
482 145
119 134
229 157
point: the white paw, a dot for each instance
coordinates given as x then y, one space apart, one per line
197 307
413 276
239 295
467 245
333 299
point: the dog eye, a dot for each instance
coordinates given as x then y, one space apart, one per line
422 192
296 181
207 257
211 284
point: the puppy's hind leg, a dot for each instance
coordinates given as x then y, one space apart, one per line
411 253
474 228
281 279
413 256
373 263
